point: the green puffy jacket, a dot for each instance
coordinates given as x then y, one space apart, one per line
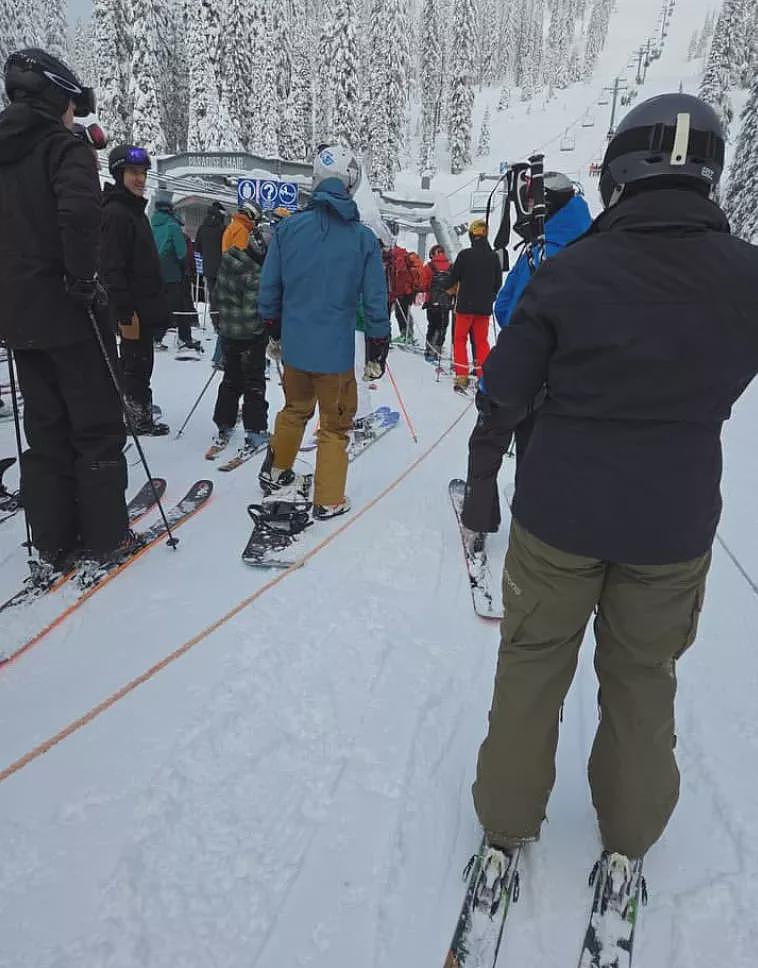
235 295
170 244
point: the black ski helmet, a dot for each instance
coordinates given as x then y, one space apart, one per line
34 74
123 156
559 190
672 135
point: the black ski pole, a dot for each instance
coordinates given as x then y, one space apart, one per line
537 172
196 404
17 421
172 542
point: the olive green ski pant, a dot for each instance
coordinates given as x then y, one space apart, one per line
646 616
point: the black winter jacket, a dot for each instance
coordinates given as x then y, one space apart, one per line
645 332
208 242
49 228
478 271
129 266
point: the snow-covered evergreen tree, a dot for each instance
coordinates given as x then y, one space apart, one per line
236 76
504 102
387 88
462 80
55 29
741 200
264 108
145 76
339 93
203 30
597 32
693 45
113 44
722 66
29 28
431 78
175 86
295 130
483 146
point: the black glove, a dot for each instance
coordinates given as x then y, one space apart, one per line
377 350
88 293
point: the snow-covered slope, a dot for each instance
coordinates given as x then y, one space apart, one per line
294 789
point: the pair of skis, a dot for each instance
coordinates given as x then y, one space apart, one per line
243 455
86 580
493 884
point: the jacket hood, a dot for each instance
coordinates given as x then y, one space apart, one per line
661 210
20 129
332 194
480 242
120 195
244 220
214 218
569 222
160 218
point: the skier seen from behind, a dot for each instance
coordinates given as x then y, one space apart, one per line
321 264
243 222
73 473
208 244
131 271
244 342
568 217
437 304
172 250
617 500
405 277
475 280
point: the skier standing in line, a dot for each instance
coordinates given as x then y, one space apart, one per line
131 271
244 348
208 244
73 474
245 220
438 303
568 217
321 265
475 278
172 250
618 498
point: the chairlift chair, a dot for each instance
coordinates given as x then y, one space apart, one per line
588 121
568 141
603 100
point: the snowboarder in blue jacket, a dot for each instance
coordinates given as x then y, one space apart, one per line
568 217
320 266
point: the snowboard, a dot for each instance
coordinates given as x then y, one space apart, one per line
490 890
609 940
137 508
10 501
257 552
486 604
87 581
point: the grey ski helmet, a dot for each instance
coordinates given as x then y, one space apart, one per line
33 73
673 135
252 210
336 161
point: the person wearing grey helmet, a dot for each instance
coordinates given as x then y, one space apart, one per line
641 357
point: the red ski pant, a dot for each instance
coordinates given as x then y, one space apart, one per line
478 326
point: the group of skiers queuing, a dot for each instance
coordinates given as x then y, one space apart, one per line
616 365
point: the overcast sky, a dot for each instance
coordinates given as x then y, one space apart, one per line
78 8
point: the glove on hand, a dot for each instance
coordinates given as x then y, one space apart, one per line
88 293
377 350
274 349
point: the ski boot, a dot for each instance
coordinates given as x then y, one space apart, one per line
273 479
460 385
219 442
96 564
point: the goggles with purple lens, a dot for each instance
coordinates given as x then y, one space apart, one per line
138 157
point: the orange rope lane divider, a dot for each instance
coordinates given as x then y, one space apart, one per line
46 745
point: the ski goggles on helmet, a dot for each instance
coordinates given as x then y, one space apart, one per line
136 157
84 98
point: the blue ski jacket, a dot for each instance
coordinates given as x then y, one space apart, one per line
564 227
320 266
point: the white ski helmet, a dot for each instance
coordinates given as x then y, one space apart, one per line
336 161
